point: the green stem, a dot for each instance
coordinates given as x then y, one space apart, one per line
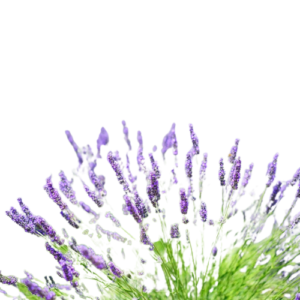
195 272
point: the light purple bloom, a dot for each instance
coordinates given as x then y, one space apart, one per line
145 238
170 141
214 251
66 189
233 152
188 165
10 280
175 181
140 205
203 166
89 254
247 175
126 135
93 196
103 140
271 172
295 177
222 173
72 142
153 189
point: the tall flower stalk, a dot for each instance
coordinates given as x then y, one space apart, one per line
248 268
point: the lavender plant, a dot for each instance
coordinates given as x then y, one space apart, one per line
165 262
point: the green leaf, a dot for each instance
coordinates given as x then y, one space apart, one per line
58 293
63 249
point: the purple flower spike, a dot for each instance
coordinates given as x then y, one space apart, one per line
10 280
271 172
132 209
298 191
154 165
195 140
116 271
283 188
247 176
54 195
153 189
66 189
145 238
295 177
96 259
93 196
85 207
140 205
236 174
273 201
170 141
25 209
126 135
297 296
203 212
71 140
102 140
35 289
175 232
203 167
233 151
56 254
154 148
222 173
188 165
175 181
183 202
69 216
211 222
113 162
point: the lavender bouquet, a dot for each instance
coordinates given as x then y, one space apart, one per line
171 246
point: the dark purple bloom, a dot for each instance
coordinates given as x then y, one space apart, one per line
188 165
57 254
125 131
54 195
195 140
116 271
233 151
97 182
68 270
145 238
140 205
170 141
69 216
25 222
93 196
71 140
132 209
236 174
154 166
113 162
203 212
271 172
102 140
153 189
274 195
175 232
43 227
183 202
222 173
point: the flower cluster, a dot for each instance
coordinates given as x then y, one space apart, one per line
248 268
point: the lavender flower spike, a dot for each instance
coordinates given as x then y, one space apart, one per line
10 280
140 157
295 177
140 205
233 152
145 238
116 271
66 189
222 173
236 174
271 172
93 196
297 296
89 254
153 189
154 166
169 141
247 176
54 195
188 165
103 140
194 138
175 232
71 140
203 212
132 209
183 202
214 251
203 167
125 131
